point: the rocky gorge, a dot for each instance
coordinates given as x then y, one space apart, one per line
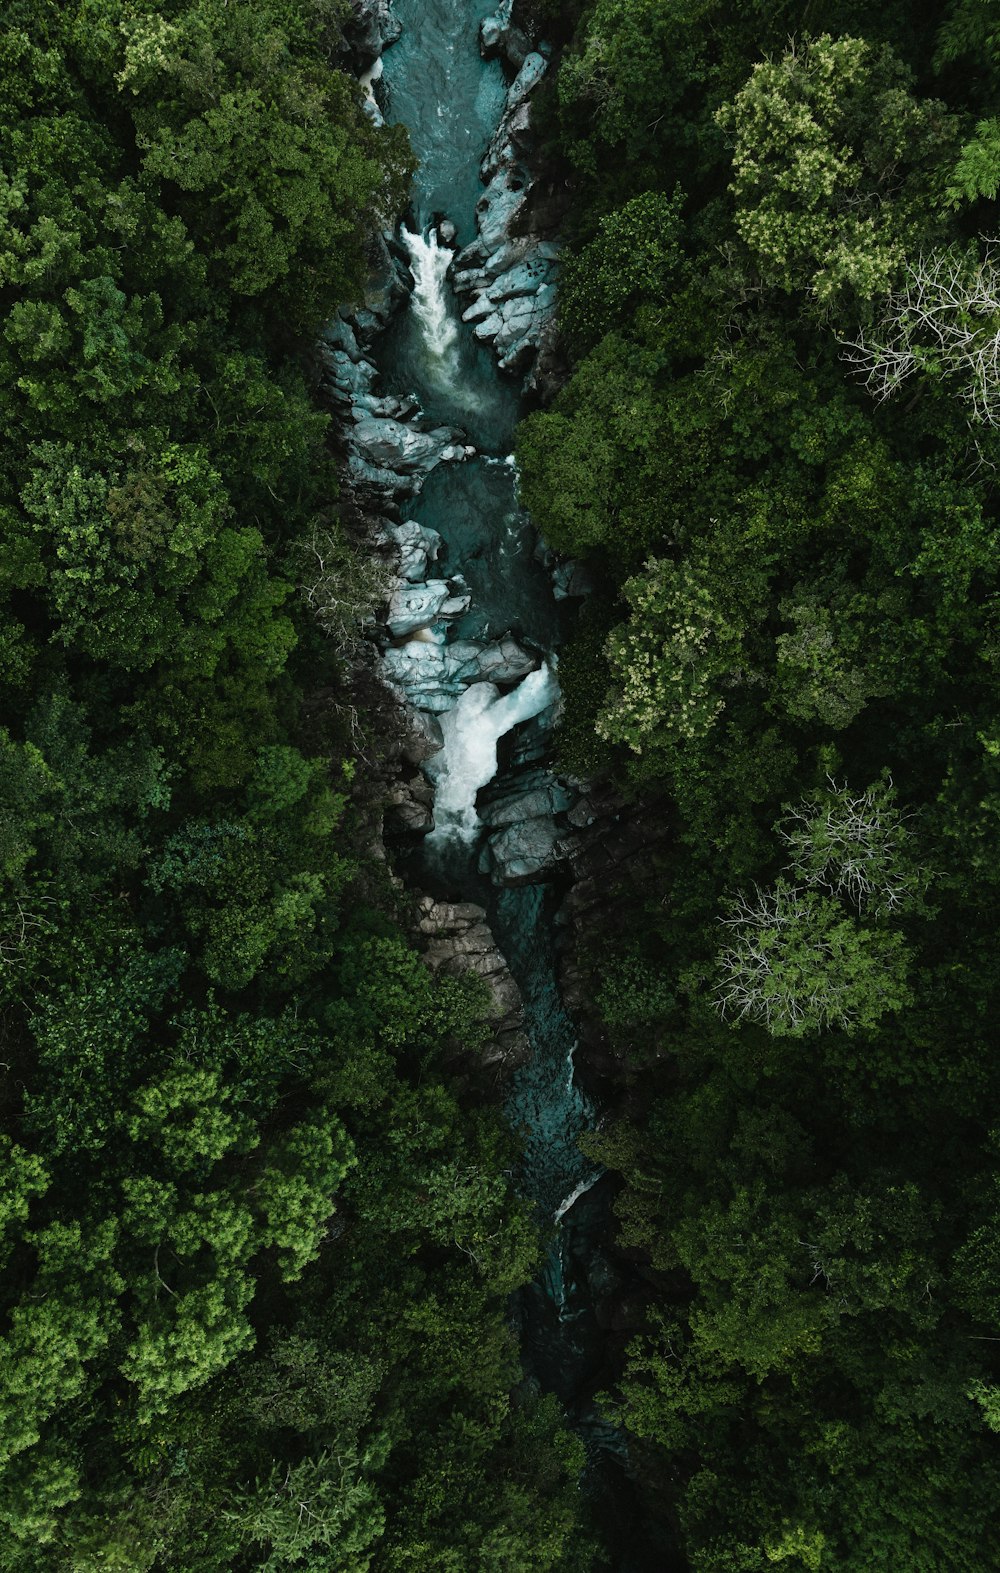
508 866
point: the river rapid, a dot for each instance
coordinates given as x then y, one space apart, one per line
434 81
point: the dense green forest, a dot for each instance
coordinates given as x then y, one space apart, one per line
778 445
255 1257
257 1226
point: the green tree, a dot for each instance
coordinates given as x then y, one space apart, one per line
820 138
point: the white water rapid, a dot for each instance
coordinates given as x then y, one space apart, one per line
429 264
468 760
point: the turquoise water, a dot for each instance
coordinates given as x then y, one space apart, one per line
435 82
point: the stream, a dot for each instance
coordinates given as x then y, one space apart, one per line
434 81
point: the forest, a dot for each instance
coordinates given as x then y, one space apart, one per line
258 1223
256 1255
778 445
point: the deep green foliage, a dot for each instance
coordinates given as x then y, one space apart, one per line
255 1255
794 652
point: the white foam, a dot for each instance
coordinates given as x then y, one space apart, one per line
579 1189
429 263
468 760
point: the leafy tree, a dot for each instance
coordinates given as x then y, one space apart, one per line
797 964
819 137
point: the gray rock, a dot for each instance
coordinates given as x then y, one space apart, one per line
481 308
409 808
505 661
418 548
570 580
423 737
527 79
461 941
537 796
413 606
396 455
499 36
430 674
398 446
447 232
489 326
372 29
339 335
525 278
352 377
523 853
455 606
498 209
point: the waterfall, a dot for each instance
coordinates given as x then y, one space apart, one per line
468 760
429 264
579 1189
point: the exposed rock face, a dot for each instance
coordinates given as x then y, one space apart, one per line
409 808
459 940
528 832
432 674
498 35
418 547
371 29
510 272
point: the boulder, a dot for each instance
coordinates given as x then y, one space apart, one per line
423 737
499 36
397 455
570 580
399 446
523 853
505 661
458 940
536 795
409 808
429 674
371 29
498 210
413 606
418 547
527 79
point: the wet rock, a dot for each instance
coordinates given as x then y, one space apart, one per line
429 673
520 854
537 795
432 673
418 546
338 334
511 277
447 233
499 36
423 737
527 79
350 379
396 455
571 580
458 941
532 740
498 209
398 446
505 661
371 29
413 606
409 808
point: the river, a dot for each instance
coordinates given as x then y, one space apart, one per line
434 81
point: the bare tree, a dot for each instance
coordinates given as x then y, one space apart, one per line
342 587
945 320
853 845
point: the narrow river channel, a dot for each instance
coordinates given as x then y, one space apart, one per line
434 81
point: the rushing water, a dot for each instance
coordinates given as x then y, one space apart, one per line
450 100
